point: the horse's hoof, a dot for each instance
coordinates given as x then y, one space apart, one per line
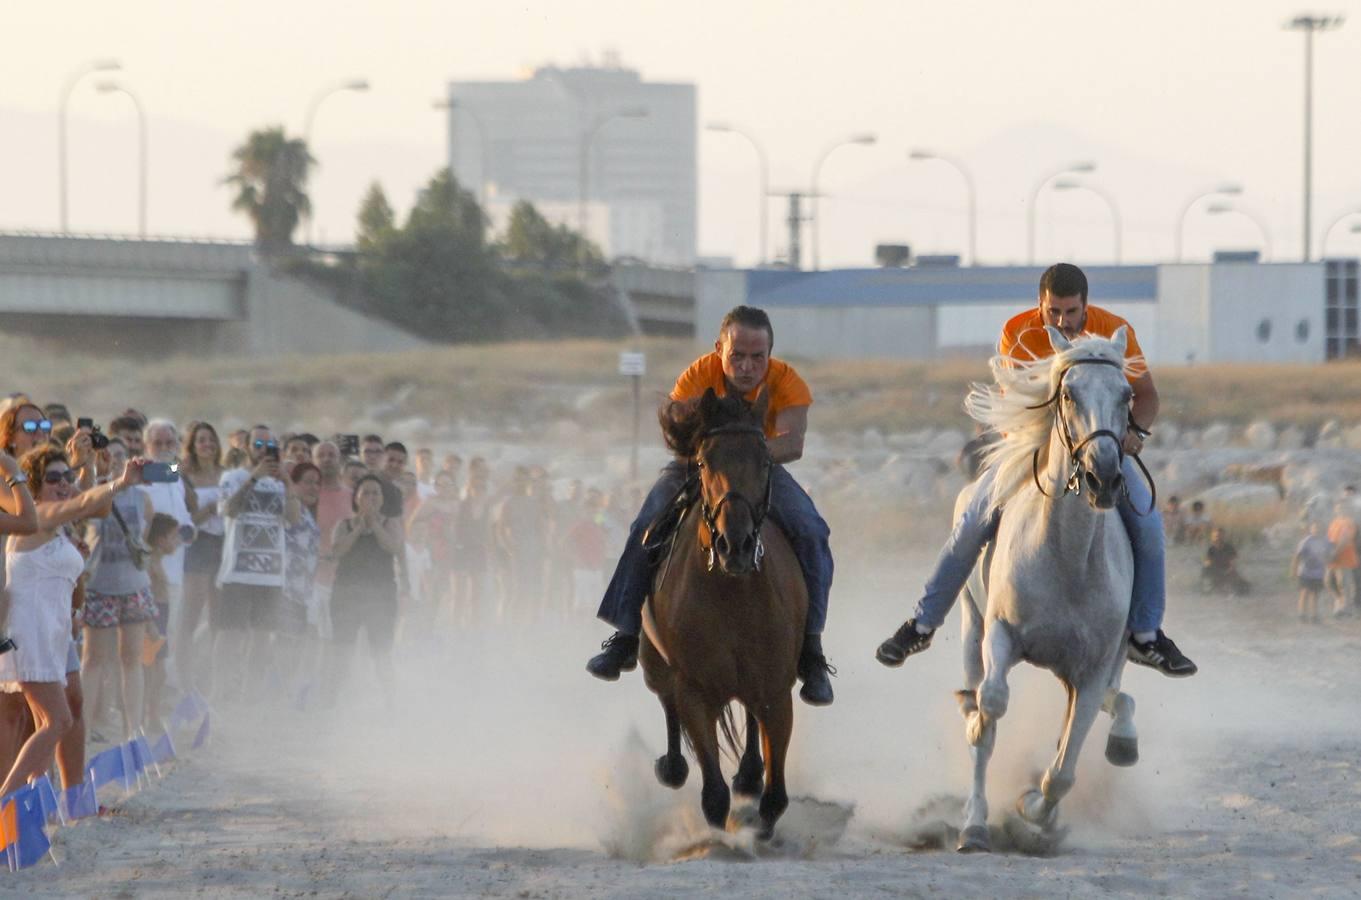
672 772
1122 751
1028 805
975 839
747 784
765 832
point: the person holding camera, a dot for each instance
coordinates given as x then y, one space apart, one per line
118 605
201 466
41 573
256 504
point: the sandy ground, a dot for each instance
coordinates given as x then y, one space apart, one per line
509 772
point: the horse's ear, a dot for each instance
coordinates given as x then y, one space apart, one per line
708 405
1121 339
1057 340
758 409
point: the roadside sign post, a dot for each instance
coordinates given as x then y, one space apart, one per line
634 365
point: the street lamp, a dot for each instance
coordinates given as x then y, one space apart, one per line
114 87
864 140
1065 184
1309 24
1323 239
726 128
1223 190
98 65
584 178
1077 168
1220 209
353 84
919 155
454 107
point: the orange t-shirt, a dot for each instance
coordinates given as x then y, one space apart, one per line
785 387
1342 534
1024 338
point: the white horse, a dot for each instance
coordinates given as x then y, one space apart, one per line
1058 578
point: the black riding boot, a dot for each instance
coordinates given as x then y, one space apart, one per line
815 672
621 655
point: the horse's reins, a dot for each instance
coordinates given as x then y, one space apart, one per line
1074 483
758 511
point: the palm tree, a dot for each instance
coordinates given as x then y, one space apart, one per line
271 185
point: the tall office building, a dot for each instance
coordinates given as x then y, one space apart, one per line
625 146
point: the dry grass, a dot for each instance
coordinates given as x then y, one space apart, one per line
532 383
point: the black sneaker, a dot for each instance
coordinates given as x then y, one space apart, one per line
7 644
621 655
815 672
905 642
1163 655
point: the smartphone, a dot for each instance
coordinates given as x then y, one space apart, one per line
272 451
85 422
349 444
160 473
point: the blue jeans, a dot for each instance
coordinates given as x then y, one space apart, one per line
976 527
790 507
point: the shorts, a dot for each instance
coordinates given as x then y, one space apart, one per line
204 555
238 607
1311 584
371 608
110 610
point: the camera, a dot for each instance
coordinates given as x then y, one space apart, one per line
272 450
98 439
349 444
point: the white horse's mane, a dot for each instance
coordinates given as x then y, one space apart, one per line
1005 407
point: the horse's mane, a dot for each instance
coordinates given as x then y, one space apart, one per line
1005 407
683 421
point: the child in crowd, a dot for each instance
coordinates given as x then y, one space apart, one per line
163 539
1310 565
1196 526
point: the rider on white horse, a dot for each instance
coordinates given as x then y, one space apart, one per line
1063 304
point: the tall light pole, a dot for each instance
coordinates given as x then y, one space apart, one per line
1065 184
353 84
920 155
864 140
1077 168
727 128
1309 24
1222 190
114 87
1323 238
584 177
454 107
1220 209
97 65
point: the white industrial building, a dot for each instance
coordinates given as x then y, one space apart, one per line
631 145
1183 314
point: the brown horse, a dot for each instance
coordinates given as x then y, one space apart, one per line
725 620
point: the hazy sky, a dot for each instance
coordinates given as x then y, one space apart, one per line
1167 98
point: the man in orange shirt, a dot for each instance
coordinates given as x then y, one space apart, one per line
741 362
1063 304
1342 569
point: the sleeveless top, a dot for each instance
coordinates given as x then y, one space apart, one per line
111 568
366 564
40 582
207 498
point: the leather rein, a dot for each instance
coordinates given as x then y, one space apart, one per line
758 511
1074 483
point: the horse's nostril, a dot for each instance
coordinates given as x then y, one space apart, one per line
721 545
748 545
1093 482
1117 481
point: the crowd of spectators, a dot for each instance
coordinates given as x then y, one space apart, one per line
146 559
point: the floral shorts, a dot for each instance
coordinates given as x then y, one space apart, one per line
108 610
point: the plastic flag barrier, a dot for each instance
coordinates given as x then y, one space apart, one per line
203 730
108 766
164 748
47 798
30 843
79 801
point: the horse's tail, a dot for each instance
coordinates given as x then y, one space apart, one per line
727 728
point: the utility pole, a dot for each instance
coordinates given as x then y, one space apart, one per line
794 220
1309 24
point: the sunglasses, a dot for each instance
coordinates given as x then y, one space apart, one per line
69 476
40 425
260 445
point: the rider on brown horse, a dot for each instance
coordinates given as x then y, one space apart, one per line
741 363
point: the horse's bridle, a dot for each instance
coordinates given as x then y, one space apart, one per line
1074 483
758 511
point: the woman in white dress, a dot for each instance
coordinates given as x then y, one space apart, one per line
41 573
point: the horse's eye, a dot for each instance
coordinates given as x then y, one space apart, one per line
1067 397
